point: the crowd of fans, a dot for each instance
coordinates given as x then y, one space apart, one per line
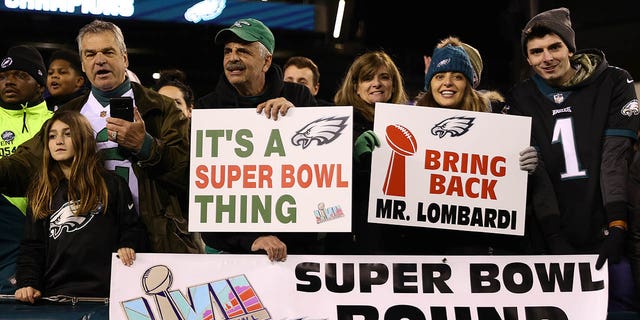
124 184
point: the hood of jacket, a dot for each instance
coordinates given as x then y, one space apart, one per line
589 64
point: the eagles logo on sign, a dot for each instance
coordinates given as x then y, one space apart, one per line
454 126
322 131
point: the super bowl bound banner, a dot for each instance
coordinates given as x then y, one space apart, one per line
250 173
449 169
226 286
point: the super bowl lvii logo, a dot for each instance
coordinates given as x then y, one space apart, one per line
230 298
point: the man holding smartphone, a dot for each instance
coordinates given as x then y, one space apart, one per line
121 108
151 152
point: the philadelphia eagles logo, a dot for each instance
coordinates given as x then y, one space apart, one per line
631 108
8 136
6 62
454 126
64 220
322 131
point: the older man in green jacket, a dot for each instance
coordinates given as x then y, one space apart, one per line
151 153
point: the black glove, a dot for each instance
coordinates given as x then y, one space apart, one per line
612 247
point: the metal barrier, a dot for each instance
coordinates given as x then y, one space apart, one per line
58 307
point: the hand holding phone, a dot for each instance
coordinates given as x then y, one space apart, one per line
122 107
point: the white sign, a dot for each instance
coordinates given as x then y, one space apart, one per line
449 169
227 286
250 173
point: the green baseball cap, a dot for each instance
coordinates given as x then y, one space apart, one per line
250 30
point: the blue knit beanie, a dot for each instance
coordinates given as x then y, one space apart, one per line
449 59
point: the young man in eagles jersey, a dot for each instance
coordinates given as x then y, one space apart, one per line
585 120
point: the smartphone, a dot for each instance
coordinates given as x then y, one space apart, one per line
122 107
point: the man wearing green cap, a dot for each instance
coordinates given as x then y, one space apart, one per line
251 80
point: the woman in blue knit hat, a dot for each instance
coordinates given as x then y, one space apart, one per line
449 84
449 79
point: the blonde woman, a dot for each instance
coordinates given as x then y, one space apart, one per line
372 77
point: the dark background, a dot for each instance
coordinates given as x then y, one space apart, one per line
406 30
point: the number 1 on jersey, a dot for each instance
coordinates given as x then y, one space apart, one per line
563 134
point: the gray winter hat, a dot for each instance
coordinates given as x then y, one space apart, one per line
557 20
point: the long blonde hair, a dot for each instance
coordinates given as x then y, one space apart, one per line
87 188
365 67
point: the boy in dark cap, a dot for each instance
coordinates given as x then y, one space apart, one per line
22 113
65 78
585 120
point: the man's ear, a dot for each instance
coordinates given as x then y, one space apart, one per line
41 89
267 63
79 82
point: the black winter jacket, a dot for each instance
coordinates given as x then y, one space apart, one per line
226 96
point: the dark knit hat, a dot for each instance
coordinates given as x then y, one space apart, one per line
557 20
250 30
449 59
27 59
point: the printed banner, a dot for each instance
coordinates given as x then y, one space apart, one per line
225 286
250 173
449 169
276 15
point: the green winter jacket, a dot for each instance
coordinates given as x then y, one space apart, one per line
162 172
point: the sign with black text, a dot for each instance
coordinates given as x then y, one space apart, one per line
250 173
449 169
228 286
